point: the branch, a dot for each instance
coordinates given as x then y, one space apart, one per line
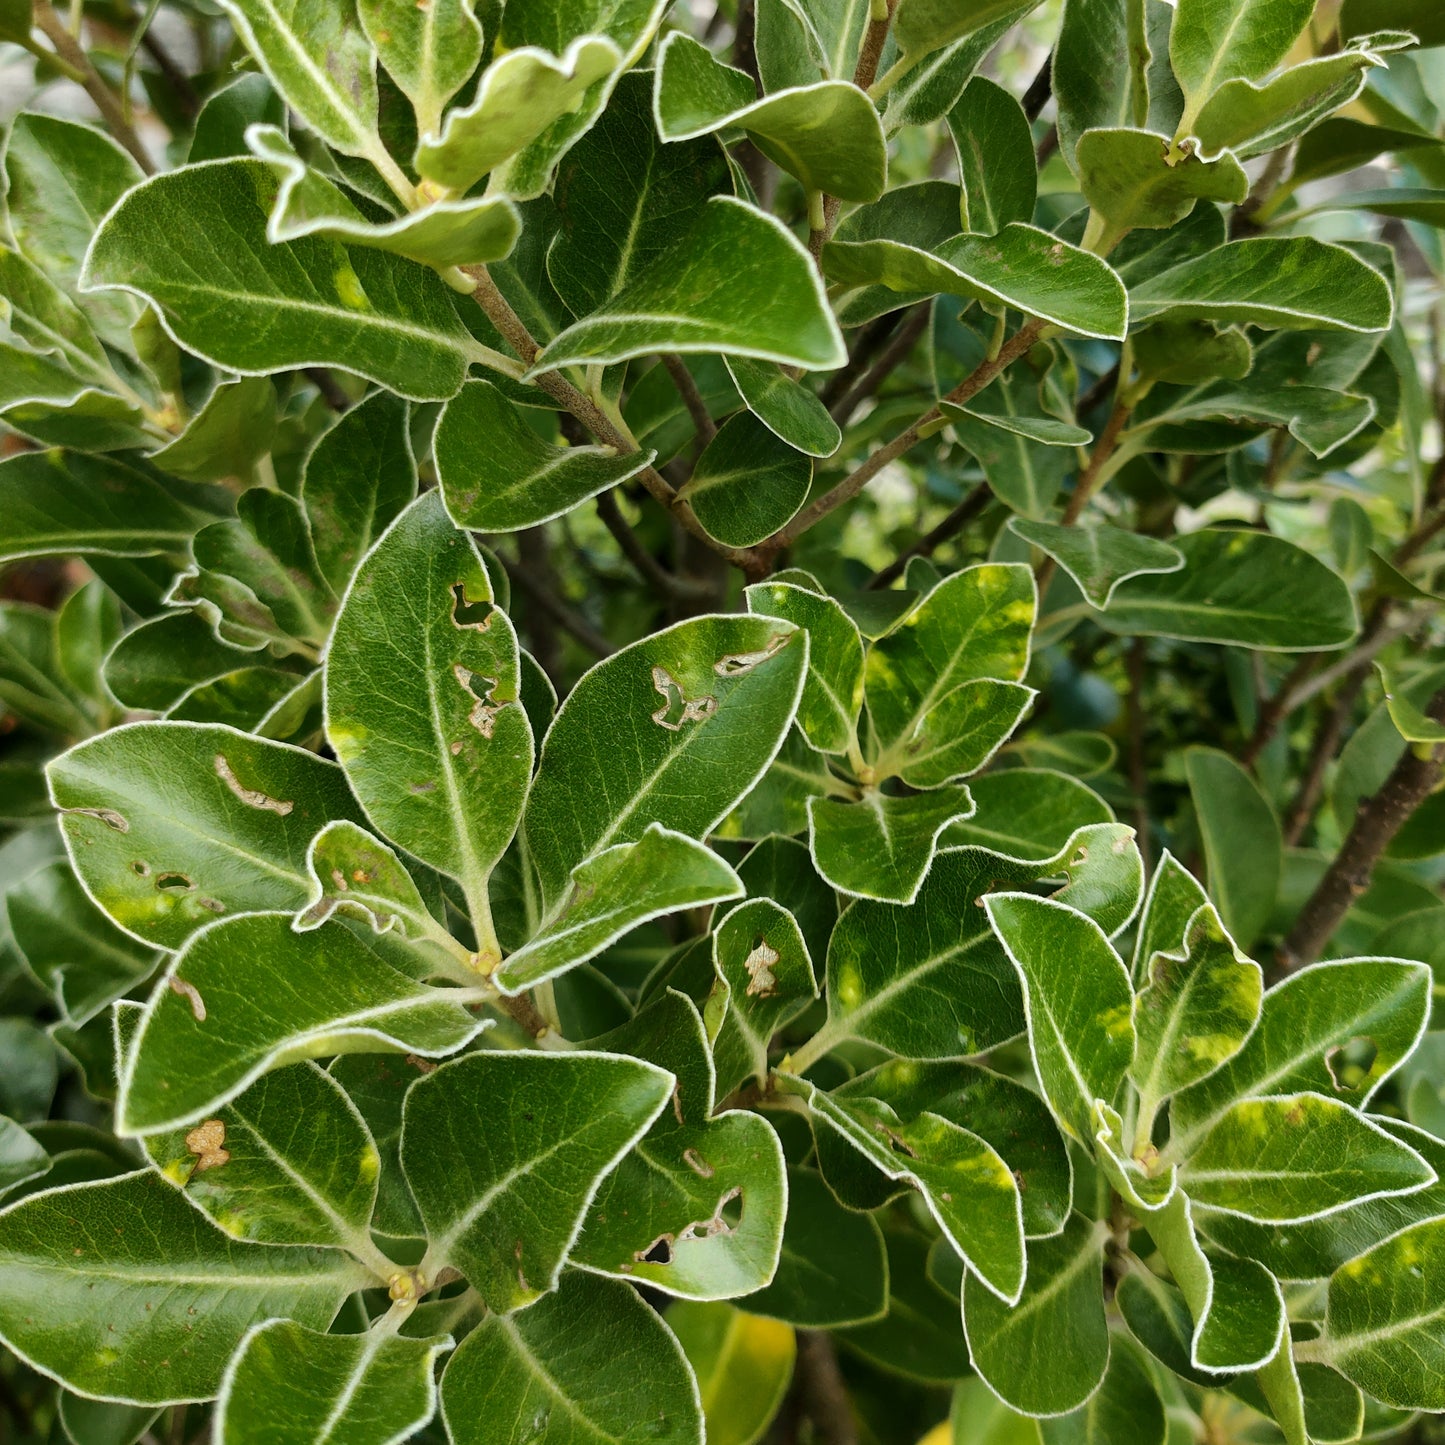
854 483
1379 818
648 567
824 1395
570 621
1275 708
331 393
870 339
686 386
69 49
1041 87
1327 741
970 507
892 356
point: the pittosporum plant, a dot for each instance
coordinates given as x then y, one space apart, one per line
716 718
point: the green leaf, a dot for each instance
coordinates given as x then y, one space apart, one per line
1192 352
827 135
592 1361
1384 1321
1130 182
506 1209
1100 557
1047 1354
832 1268
520 94
921 26
1244 1321
103 1422
289 1385
323 63
975 624
742 1364
1216 41
737 282
1198 1004
1027 813
498 475
617 890
624 197
1242 842
1410 720
429 52
787 408
968 1188
255 307
1126 1407
1023 267
287 1162
1244 588
672 730
425 715
932 981
465 232
228 436
179 1295
1293 1156
696 1207
747 483
1305 1025
1251 119
881 847
357 477
1281 283
1077 999
833 686
248 994
1364 17
995 157
228 834
21 1157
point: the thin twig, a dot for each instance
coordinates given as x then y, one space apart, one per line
570 621
331 392
648 567
824 1395
851 485
1275 707
892 356
1138 772
870 341
1327 741
970 507
175 77
1378 819
69 49
1041 87
686 386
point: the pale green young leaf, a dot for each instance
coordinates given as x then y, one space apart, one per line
995 158
1047 1354
833 688
321 61
465 232
593 1361
672 730
1385 1320
1125 1407
968 1187
832 1267
748 482
1197 1006
498 475
959 733
254 307
974 624
179 1295
429 50
1099 557
787 408
506 1208
520 94
827 134
696 1207
357 477
1293 1156
287 1162
932 981
615 891
289 1385
742 1363
1077 1000
1244 588
354 873
248 994
737 282
1129 181
424 711
40 316
759 954
882 846
921 26
1280 283
1305 1025
228 832
1242 842
1215 41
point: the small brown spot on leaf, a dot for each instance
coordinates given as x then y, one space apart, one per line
252 797
108 816
698 1164
192 994
735 664
762 981
206 1142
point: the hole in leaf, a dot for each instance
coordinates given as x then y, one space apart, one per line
140 868
466 613
1350 1064
174 882
658 1252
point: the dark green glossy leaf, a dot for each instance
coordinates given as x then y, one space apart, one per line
747 483
786 407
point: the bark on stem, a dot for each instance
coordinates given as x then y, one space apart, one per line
970 507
